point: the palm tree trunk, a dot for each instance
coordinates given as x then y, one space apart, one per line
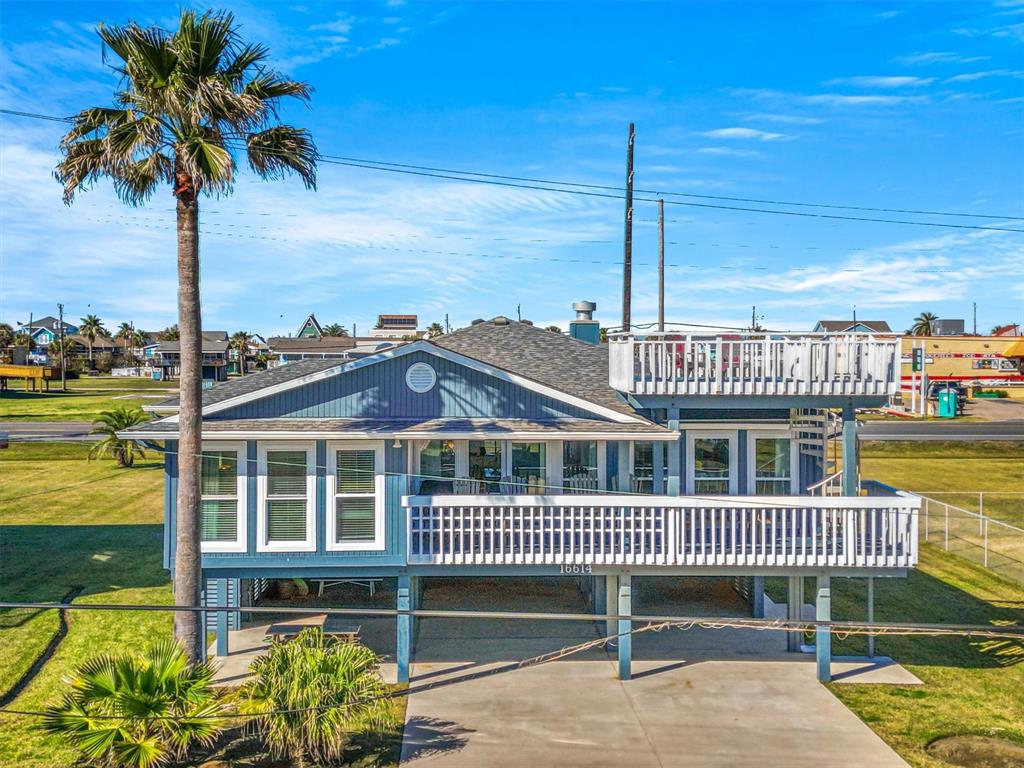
187 557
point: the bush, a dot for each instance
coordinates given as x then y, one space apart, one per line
136 711
104 362
310 695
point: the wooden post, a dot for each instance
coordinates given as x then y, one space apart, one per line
794 611
627 258
850 485
625 627
823 635
661 265
404 638
611 602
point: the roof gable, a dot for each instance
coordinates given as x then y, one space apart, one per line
310 329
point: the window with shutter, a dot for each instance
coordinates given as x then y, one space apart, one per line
358 475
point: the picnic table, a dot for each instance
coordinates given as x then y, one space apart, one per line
284 630
370 584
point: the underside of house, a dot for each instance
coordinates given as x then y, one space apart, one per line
504 451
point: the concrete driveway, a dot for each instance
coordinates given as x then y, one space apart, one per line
698 698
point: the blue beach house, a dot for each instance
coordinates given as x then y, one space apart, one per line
506 450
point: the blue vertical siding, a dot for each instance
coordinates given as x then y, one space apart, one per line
741 463
379 391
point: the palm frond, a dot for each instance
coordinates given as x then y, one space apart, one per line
209 163
282 150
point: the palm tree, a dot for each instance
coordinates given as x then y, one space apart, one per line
240 343
434 330
6 335
137 711
924 324
554 329
170 333
125 333
109 424
91 327
190 103
335 329
53 349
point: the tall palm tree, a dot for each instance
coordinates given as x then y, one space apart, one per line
191 102
91 327
170 333
240 343
335 329
434 330
924 324
125 332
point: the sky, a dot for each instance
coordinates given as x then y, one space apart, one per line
879 105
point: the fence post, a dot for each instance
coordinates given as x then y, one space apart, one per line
947 524
926 500
985 528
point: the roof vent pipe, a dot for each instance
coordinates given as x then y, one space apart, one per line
584 310
585 327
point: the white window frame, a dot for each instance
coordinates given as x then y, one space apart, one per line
794 467
691 464
379 490
240 544
309 544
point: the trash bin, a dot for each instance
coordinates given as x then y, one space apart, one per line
947 403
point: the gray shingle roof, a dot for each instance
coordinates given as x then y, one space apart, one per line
838 326
567 364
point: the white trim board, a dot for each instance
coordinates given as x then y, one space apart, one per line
423 346
240 544
412 435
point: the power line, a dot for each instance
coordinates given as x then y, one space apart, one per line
582 189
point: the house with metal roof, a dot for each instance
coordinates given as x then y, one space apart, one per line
507 450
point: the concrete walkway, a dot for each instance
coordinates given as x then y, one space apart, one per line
704 697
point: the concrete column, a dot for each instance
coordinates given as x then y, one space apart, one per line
794 611
221 598
625 627
597 588
850 460
659 467
403 649
611 602
757 598
674 468
871 616
823 639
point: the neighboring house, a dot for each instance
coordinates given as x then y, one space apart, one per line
215 357
1013 329
310 329
849 326
506 450
396 327
46 330
289 349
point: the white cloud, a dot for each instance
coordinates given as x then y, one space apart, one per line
342 25
744 133
938 57
768 117
845 100
886 15
727 152
876 81
968 77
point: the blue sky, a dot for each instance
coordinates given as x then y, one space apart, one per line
916 105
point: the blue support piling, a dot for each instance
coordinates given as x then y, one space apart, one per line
600 594
823 637
757 598
625 627
850 461
403 650
222 618
611 602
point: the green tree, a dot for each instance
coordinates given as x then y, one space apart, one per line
6 335
240 344
22 339
335 329
924 324
126 334
170 333
136 711
311 693
554 329
434 330
190 103
125 450
53 349
92 327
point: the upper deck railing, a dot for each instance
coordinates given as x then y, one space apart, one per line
848 364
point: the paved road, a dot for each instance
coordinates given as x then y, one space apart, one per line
940 430
46 431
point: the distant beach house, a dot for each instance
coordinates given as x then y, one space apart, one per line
851 326
505 450
46 330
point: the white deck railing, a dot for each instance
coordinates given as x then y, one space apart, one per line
853 364
774 531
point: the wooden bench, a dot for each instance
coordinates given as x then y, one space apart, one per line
285 630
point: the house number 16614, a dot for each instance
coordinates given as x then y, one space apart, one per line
576 569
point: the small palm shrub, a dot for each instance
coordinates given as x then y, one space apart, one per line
109 424
127 710
311 694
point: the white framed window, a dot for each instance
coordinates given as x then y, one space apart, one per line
711 462
222 506
287 492
356 497
771 464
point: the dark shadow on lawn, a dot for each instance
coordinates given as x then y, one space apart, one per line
426 736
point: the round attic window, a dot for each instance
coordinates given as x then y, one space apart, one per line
420 377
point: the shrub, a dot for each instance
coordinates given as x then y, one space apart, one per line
311 694
137 711
104 362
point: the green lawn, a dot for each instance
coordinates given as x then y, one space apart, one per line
85 399
954 472
970 686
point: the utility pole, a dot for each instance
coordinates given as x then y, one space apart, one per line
447 328
519 312
661 265
627 257
753 318
854 318
974 304
63 375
